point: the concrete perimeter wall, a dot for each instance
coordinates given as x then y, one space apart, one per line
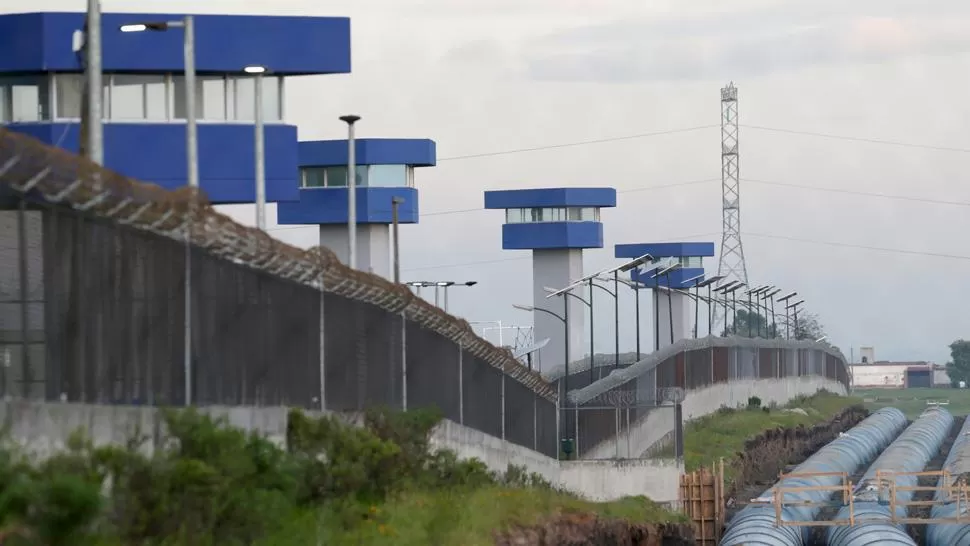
43 429
658 424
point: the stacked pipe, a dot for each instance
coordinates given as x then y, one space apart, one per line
958 465
911 452
755 524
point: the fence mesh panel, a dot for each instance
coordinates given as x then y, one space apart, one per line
102 277
93 300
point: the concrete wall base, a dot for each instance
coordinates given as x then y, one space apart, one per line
43 429
657 424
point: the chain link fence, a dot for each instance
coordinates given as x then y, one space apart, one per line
635 411
104 280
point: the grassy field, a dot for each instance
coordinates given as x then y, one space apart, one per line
722 434
913 401
469 518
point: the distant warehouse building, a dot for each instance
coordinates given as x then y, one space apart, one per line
898 375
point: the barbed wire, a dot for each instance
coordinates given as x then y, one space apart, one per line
634 399
30 167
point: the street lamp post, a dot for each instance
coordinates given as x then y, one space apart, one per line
350 120
588 303
616 315
697 302
259 144
753 294
665 273
564 399
92 50
395 203
794 308
710 313
784 300
438 286
769 295
723 291
733 291
187 24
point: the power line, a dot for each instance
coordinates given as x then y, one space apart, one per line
708 180
529 257
629 190
578 143
885 142
860 193
862 247
858 139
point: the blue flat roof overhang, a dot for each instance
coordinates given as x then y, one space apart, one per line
552 235
416 152
550 197
287 46
329 206
664 250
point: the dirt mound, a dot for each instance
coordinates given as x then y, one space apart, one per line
771 452
590 530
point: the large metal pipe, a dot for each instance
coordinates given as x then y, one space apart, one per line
755 524
911 452
957 464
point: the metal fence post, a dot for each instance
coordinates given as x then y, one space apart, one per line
535 421
26 375
679 431
558 425
461 384
404 362
323 348
503 401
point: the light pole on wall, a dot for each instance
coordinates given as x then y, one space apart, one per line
784 301
564 293
794 309
723 290
733 291
566 443
710 300
187 24
770 296
350 120
259 144
438 285
395 203
665 273
692 283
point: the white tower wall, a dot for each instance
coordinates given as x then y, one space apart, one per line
373 246
557 269
683 317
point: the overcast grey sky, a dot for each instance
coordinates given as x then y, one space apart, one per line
488 76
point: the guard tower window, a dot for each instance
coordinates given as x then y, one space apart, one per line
24 98
550 214
376 176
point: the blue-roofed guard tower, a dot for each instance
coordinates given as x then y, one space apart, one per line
41 82
556 224
384 172
690 256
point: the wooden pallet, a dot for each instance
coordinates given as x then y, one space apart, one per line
702 499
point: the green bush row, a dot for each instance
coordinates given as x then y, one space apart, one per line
208 483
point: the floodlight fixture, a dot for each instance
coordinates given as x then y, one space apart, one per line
710 281
695 279
788 297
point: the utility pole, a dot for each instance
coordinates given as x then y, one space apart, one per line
395 203
92 51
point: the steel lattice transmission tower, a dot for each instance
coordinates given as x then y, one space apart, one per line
731 264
